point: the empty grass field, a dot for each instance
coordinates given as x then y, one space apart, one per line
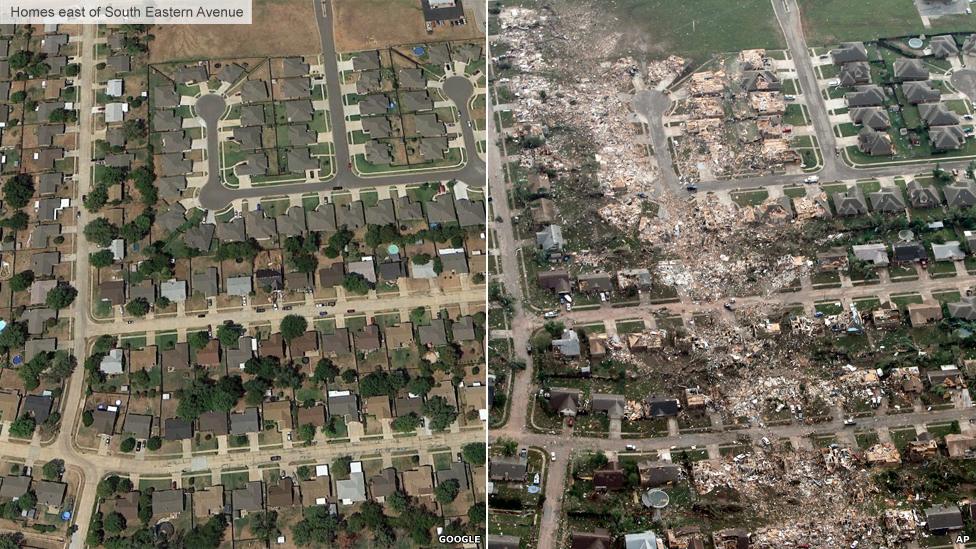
827 22
696 29
374 24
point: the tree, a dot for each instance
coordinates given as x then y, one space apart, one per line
101 258
61 296
477 513
11 540
407 423
27 501
14 336
198 340
87 418
18 190
418 316
265 525
474 453
107 486
22 281
52 470
17 221
354 283
348 376
101 232
229 333
292 326
325 371
208 534
340 467
440 413
96 198
128 445
138 307
447 491
317 529
507 446
23 427
114 523
306 432
154 443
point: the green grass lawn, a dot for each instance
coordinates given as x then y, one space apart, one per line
702 28
827 22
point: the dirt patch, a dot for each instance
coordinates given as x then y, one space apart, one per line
279 28
376 24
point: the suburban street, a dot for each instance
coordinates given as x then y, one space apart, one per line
651 106
216 196
89 467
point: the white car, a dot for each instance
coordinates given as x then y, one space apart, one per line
631 447
812 179
552 456
550 314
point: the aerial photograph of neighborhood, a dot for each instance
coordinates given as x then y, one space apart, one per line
732 274
243 279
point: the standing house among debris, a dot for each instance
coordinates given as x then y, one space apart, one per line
887 199
943 519
654 474
556 280
850 203
924 313
564 402
960 446
876 253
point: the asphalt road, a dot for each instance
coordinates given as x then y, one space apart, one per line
215 196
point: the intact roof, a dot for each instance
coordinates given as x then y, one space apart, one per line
947 137
291 222
253 91
165 96
865 96
432 148
50 493
254 164
418 482
908 251
300 135
333 275
168 502
249 137
163 120
418 100
298 111
173 218
507 469
200 237
344 406
378 152
366 60
923 196
282 494
873 142
353 489
192 73
14 486
960 194
173 290
851 74
873 117
877 253
137 425
214 422
428 125
175 428
563 400
351 216
944 517
174 164
322 218
278 411
848 52
34 347
943 46
433 334
252 115
457 471
205 282
440 210
454 262
258 226
295 88
374 103
965 308
369 82
377 126
381 213
208 502
238 285
230 73
293 66
367 338
411 78
37 318
177 358
613 405
171 188
470 213
112 291
920 92
948 251
887 199
311 415
909 69
463 329
43 263
174 141
245 422
336 343
300 160
384 483
408 210
938 114
250 498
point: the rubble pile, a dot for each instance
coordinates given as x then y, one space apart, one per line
806 500
587 95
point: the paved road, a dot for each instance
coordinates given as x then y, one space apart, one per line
215 196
